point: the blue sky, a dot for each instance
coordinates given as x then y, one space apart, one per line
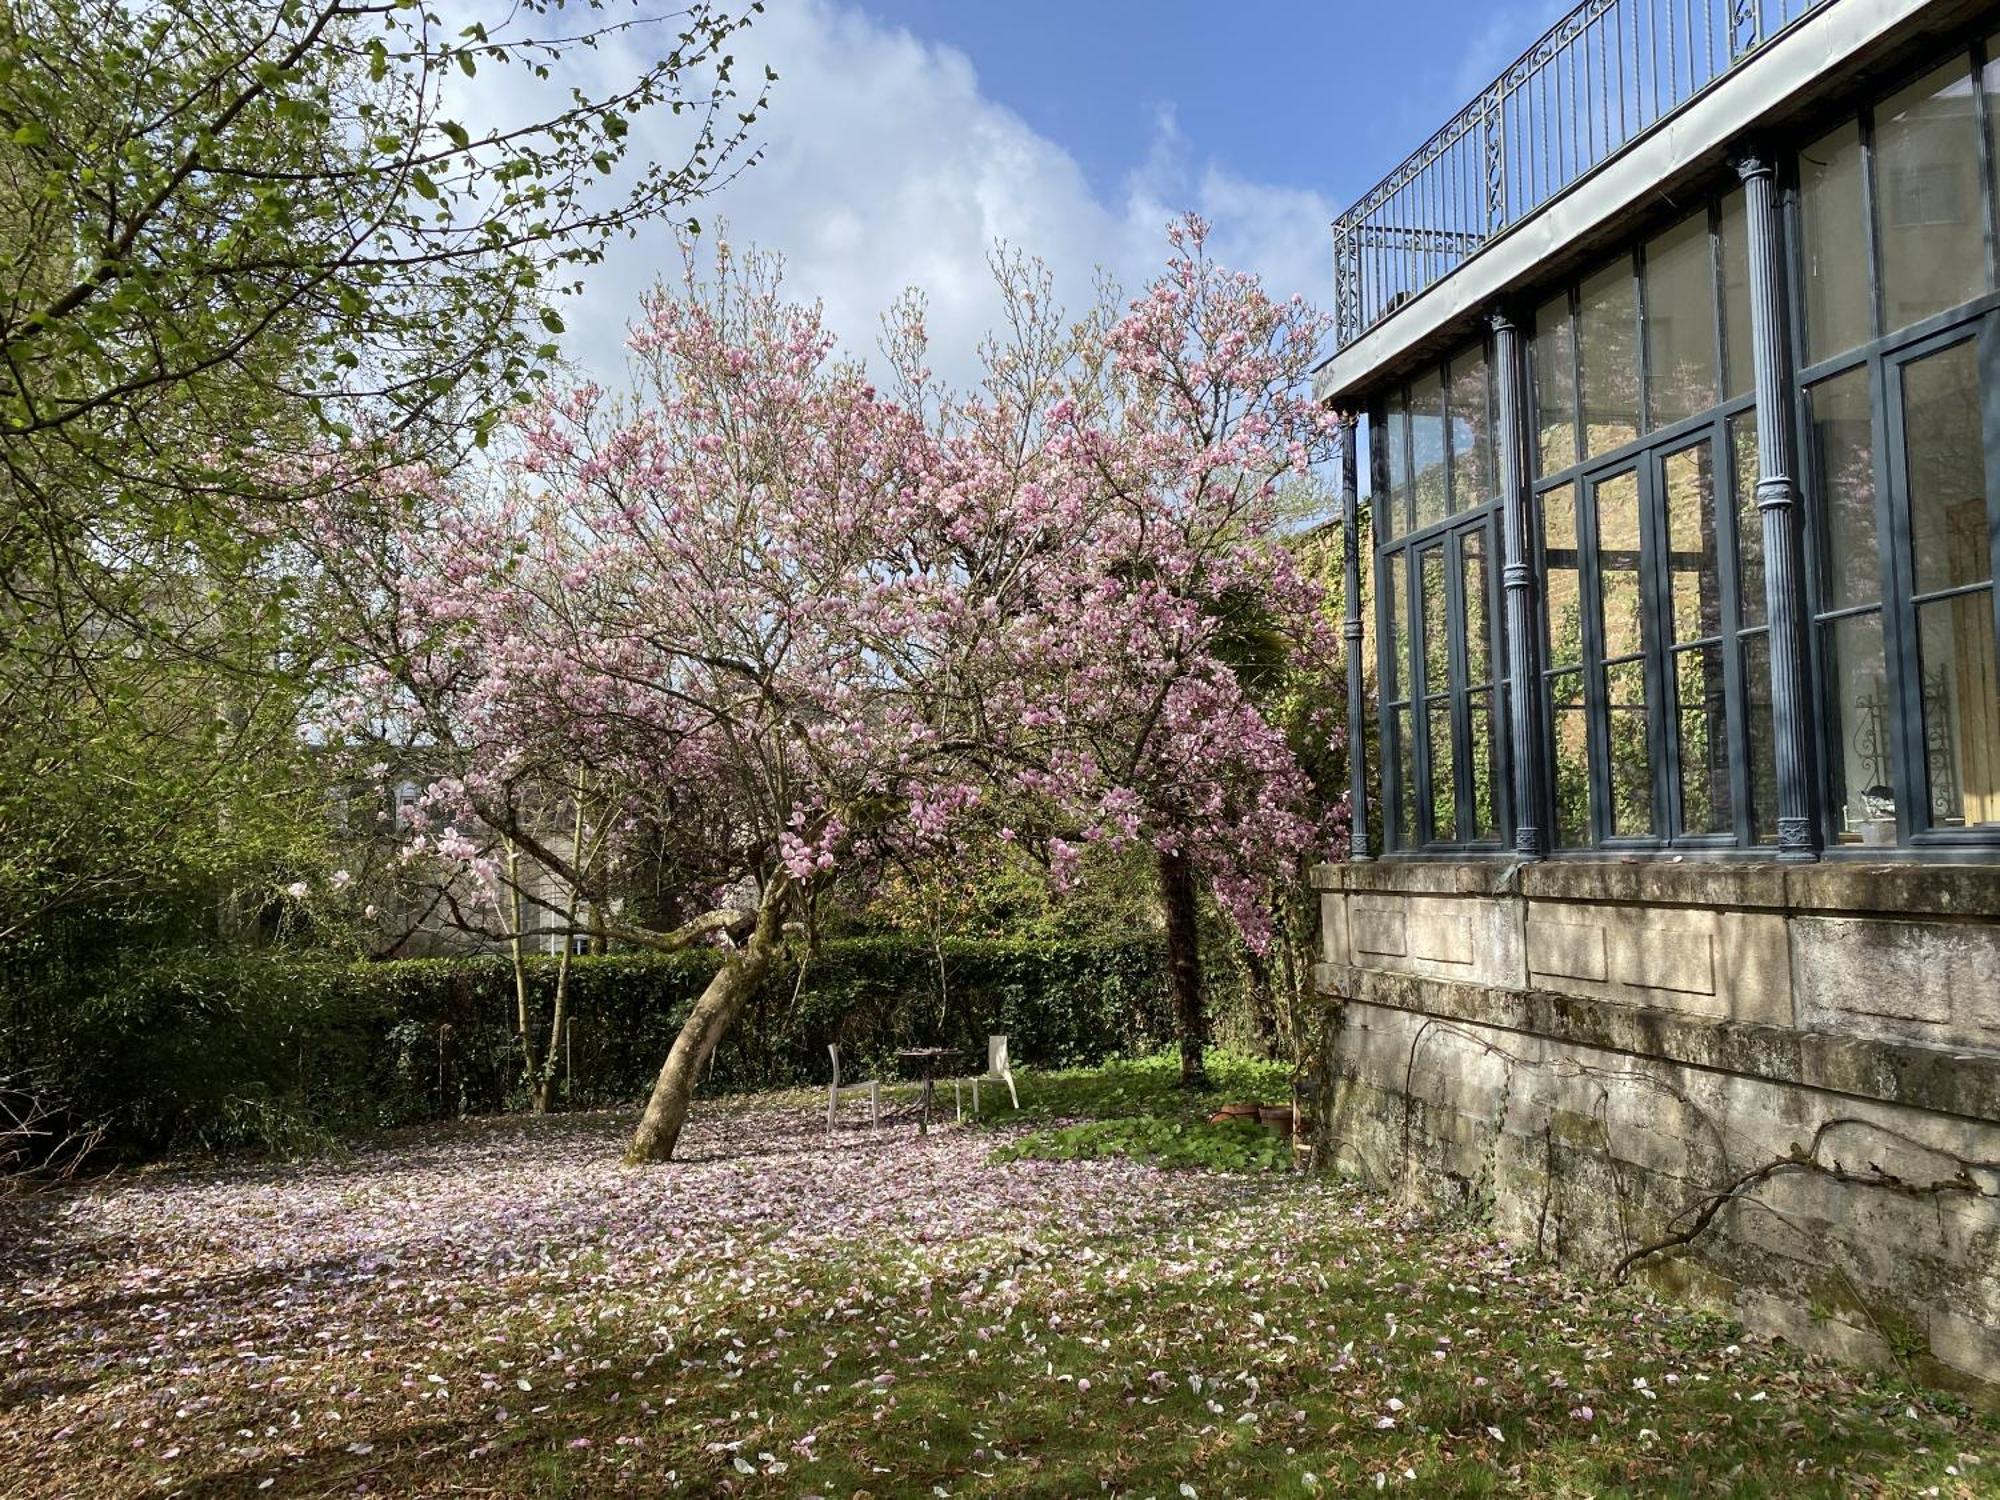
906 137
1327 95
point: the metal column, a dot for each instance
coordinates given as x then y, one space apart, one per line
1778 505
1351 635
1518 576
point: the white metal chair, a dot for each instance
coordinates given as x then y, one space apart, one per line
998 1070
873 1086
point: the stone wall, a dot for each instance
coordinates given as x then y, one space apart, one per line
1595 1052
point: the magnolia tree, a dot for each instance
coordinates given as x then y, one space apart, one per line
843 620
1118 488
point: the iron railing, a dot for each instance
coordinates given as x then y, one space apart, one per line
1601 77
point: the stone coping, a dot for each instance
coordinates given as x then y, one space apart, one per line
1944 1081
1845 886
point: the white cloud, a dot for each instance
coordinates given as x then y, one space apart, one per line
886 167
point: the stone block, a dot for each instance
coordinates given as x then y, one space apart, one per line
1967 1345
1678 957
1588 1151
1934 982
1379 928
1333 942
1754 959
1566 949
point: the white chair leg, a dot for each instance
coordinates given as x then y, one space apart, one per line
975 1098
874 1104
832 1098
1010 1089
957 1102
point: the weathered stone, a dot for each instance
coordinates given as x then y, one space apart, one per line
1654 882
1333 929
1906 889
1935 982
1587 1125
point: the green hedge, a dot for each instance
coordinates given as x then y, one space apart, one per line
282 1051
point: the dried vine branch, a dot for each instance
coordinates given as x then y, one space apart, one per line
1807 1159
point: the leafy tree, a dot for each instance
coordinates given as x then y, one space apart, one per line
845 623
1180 435
231 234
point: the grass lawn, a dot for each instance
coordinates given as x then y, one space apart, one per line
497 1308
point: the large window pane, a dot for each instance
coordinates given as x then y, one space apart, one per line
1427 447
1865 805
1707 805
1845 449
1835 234
1946 465
1618 566
1398 685
1763 738
1739 369
1555 385
1961 710
1680 322
1631 750
1485 767
1750 596
1608 336
1472 481
1478 632
1694 571
1395 510
1990 83
1563 588
1928 198
1572 760
1406 777
1437 633
1444 781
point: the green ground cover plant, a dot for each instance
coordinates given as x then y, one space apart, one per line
1136 1108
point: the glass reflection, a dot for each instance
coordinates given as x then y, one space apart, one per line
1572 760
1427 448
1946 470
1928 202
1694 570
1835 236
1844 446
1395 512
1472 481
1631 749
1562 589
1707 803
1863 754
1961 697
1608 346
1555 385
1619 557
1680 322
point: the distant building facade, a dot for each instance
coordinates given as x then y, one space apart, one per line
1674 903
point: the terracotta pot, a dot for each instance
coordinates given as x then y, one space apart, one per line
1278 1121
1234 1112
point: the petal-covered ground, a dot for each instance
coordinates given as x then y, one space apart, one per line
498 1308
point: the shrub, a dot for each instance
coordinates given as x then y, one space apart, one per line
282 1051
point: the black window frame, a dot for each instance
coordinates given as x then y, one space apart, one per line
1406 706
1883 356
1644 457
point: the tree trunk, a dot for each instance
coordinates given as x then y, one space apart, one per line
1177 895
713 1014
518 951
